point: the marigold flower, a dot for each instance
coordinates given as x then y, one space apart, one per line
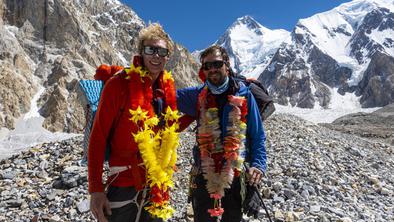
140 70
171 115
152 122
167 76
138 115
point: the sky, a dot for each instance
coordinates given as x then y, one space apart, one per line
198 24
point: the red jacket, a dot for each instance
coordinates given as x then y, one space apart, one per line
124 150
123 146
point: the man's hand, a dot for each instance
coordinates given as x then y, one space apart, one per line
255 176
98 204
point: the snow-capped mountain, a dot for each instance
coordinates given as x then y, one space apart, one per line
47 46
349 49
338 49
251 45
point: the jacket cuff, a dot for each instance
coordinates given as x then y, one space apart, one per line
263 169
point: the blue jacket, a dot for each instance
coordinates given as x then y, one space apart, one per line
255 144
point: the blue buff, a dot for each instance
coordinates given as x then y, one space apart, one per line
216 90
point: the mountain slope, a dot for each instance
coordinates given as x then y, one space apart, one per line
348 49
54 45
376 125
336 49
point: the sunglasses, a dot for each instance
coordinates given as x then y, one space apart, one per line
151 50
215 64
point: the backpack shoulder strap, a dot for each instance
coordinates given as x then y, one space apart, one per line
261 95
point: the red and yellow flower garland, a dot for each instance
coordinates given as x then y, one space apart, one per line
220 161
156 146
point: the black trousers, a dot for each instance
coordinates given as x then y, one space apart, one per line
231 202
129 211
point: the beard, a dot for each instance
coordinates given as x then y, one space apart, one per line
216 78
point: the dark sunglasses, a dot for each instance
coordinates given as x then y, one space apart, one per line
215 64
150 50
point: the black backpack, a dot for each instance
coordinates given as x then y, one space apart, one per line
264 102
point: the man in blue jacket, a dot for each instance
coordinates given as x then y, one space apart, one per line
230 135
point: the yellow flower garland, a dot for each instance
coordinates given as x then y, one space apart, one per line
159 158
157 149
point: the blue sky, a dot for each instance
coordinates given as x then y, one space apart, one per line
197 24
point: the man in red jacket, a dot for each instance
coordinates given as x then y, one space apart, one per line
150 91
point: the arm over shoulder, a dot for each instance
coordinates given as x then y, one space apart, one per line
187 100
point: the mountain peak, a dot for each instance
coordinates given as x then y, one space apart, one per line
249 43
246 19
250 22
353 12
365 5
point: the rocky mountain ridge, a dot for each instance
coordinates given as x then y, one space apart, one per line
51 44
377 125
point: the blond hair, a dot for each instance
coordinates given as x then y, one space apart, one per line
154 31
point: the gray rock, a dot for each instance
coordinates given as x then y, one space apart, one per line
8 174
386 191
305 194
83 206
51 196
310 189
336 211
289 194
315 208
15 203
277 186
278 199
70 182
